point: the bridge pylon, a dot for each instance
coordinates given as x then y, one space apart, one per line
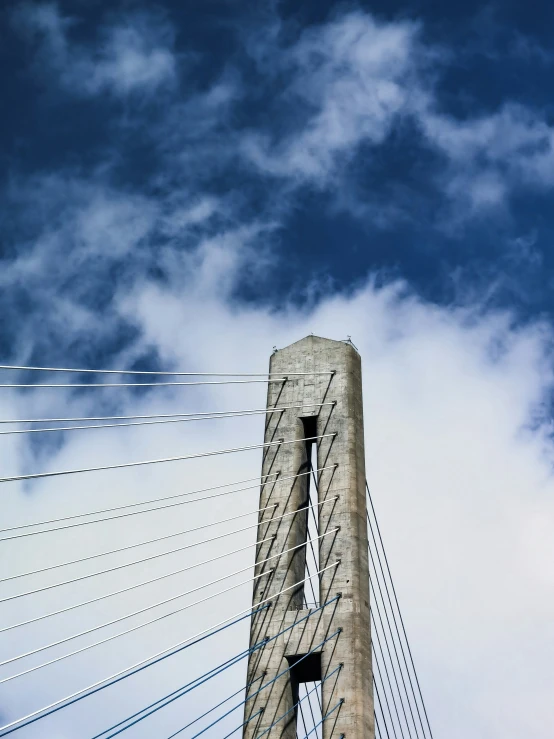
328 643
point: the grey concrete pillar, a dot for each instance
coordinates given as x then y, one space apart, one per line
341 451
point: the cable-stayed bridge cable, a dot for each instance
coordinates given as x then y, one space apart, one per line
395 651
131 587
121 549
144 502
376 662
134 628
218 705
301 711
397 631
389 682
216 452
184 689
137 561
100 685
90 385
139 626
399 611
73 419
244 723
143 664
272 681
197 682
177 694
210 710
161 419
155 605
134 505
393 669
284 715
172 551
382 713
377 728
324 718
105 596
156 372
155 556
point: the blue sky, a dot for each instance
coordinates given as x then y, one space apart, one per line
186 185
406 141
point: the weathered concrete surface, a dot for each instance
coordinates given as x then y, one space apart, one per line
348 546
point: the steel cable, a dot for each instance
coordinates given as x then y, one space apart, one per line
324 718
153 556
379 698
301 711
169 418
176 694
210 710
284 715
244 723
155 605
172 551
309 697
399 613
263 687
316 525
395 652
161 372
139 626
138 585
137 561
140 503
73 419
134 505
378 734
216 452
376 631
90 385
143 664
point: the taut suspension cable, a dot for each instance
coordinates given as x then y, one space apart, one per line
134 505
284 715
175 695
324 718
217 452
139 626
155 556
143 664
399 612
160 419
188 546
154 372
155 605
90 385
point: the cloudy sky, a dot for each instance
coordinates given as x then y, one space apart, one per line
187 185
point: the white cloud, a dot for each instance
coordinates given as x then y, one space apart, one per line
132 56
458 446
493 155
355 80
352 75
463 487
129 61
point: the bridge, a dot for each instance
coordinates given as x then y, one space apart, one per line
327 653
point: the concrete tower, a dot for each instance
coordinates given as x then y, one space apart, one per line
336 383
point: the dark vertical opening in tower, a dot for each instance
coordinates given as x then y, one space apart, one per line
311 587
306 677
